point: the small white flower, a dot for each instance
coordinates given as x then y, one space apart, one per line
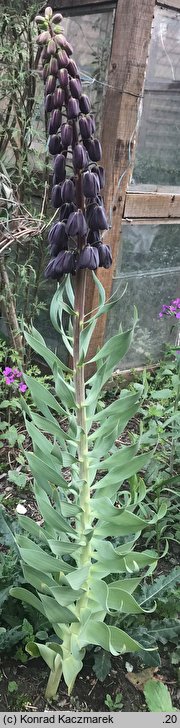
21 509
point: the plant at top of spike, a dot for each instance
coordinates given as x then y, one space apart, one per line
67 560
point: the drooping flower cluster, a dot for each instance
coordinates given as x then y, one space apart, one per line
173 309
11 375
75 239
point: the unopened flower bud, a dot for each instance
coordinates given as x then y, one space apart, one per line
73 108
56 198
91 184
84 104
50 85
57 18
62 59
53 66
85 125
75 88
76 224
45 72
48 13
51 47
96 218
88 258
49 103
93 147
58 238
63 77
80 157
73 69
58 98
54 145
60 168
66 135
66 210
105 255
68 191
44 37
63 43
55 121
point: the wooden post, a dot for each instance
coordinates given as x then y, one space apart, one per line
131 37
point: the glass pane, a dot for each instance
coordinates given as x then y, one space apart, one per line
158 150
148 265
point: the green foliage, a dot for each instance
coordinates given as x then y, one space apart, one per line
114 703
157 696
102 664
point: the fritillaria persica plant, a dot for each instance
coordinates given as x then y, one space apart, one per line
81 564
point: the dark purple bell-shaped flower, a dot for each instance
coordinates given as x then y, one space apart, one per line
97 169
73 108
88 258
63 77
56 198
50 85
66 210
93 147
55 121
45 72
60 265
68 191
93 237
49 103
85 125
76 224
105 255
84 104
73 69
50 272
66 135
58 98
96 218
60 168
91 184
57 238
62 59
54 144
75 87
53 66
80 157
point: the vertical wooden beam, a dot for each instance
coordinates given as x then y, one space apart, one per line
131 37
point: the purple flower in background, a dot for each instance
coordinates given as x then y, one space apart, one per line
7 371
173 309
22 387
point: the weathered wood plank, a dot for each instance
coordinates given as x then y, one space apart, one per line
150 221
152 205
131 38
80 8
172 4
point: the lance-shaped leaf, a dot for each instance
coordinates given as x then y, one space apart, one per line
28 597
130 563
32 527
60 548
38 439
51 516
40 581
56 613
42 394
77 578
41 561
71 669
115 348
64 595
41 470
117 408
51 359
47 653
64 391
48 426
112 639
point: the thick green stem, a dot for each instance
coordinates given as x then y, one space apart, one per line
54 679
